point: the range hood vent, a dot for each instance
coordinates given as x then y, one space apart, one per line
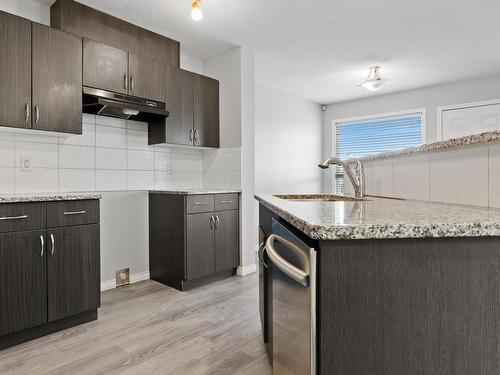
107 103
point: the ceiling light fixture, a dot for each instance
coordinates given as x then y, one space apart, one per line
374 82
196 13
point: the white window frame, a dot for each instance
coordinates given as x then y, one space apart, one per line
440 110
335 122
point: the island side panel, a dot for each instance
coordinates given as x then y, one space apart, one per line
409 306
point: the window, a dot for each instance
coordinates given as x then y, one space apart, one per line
364 137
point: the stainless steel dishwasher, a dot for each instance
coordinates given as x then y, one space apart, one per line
294 302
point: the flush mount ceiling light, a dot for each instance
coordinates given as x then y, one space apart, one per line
196 13
374 82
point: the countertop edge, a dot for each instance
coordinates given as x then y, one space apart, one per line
481 139
384 231
195 192
48 198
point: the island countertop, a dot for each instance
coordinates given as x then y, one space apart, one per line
383 218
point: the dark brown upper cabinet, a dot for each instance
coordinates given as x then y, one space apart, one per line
179 127
40 75
206 112
105 67
193 103
146 77
56 80
15 71
78 19
109 68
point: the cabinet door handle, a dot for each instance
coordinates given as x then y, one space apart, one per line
14 217
125 82
74 213
196 136
217 222
200 204
211 222
131 83
53 242
43 245
37 114
191 135
26 112
226 201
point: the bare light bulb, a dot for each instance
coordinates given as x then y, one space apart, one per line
196 13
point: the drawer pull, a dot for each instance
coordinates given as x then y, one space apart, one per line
226 201
74 213
200 204
14 217
43 245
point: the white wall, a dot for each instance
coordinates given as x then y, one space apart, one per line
288 140
29 9
191 64
227 69
429 98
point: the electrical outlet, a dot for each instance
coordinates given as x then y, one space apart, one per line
169 168
26 162
123 277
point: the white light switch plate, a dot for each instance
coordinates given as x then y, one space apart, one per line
26 162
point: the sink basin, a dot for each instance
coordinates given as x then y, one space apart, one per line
318 197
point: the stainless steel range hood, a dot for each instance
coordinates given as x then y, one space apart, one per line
107 103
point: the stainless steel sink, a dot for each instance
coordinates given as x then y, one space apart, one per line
317 197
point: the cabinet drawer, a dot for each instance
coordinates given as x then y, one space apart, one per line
199 203
16 217
226 202
66 213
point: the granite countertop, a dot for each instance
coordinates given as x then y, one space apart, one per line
379 218
450 144
48 197
196 191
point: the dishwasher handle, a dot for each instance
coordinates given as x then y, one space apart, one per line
301 276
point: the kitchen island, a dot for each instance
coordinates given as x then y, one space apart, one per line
400 286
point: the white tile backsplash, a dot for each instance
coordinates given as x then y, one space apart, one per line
44 155
494 176
109 180
378 178
107 136
76 157
460 176
7 178
111 154
111 158
37 180
411 177
76 180
140 160
7 153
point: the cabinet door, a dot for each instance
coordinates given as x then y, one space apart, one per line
200 257
105 67
15 71
180 102
146 77
73 270
206 112
23 293
226 240
57 80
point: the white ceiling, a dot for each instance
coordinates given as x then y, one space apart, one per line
321 49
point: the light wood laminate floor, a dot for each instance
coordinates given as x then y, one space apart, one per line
148 328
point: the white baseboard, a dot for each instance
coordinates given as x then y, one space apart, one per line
134 278
247 270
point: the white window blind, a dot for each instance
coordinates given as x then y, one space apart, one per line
372 136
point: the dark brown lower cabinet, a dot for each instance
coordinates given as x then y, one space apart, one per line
226 239
193 239
200 256
73 269
49 278
23 288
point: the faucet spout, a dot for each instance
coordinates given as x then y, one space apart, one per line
355 177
